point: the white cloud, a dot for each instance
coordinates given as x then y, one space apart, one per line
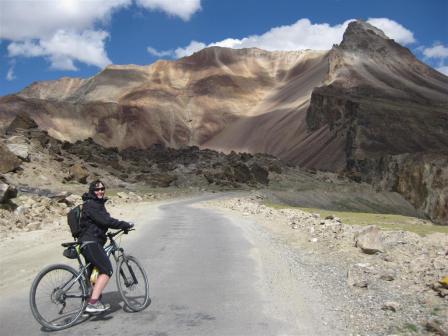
443 69
10 75
64 48
159 53
438 51
26 49
393 30
63 31
301 35
190 49
36 19
181 8
66 31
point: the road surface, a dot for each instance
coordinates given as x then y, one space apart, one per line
211 273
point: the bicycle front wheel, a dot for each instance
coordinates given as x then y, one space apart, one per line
57 298
132 283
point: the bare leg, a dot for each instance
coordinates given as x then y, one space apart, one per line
100 284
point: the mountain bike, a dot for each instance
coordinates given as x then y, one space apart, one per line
59 293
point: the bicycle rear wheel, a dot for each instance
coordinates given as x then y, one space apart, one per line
57 300
132 283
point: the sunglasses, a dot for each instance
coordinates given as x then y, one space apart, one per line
100 189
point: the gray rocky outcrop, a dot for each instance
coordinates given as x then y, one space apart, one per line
369 240
161 166
19 146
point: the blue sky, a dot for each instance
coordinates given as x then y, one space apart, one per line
49 39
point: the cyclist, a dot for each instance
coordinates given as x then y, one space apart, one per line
95 221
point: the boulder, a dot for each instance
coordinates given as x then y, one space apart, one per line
391 305
58 197
33 226
369 240
440 288
7 192
78 173
21 121
19 146
66 198
358 275
9 162
387 275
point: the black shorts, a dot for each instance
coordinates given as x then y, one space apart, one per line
94 253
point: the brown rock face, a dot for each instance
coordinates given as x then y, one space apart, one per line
8 162
382 105
21 121
380 100
421 178
184 102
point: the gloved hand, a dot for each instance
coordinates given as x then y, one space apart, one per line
130 225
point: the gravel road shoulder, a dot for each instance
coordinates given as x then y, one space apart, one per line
353 293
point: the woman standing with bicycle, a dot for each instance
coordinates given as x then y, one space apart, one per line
95 221
60 294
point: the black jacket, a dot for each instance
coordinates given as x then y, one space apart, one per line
95 220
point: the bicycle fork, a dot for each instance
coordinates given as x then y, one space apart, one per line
128 283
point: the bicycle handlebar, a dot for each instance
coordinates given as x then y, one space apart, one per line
113 234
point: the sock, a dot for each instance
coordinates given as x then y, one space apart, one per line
93 301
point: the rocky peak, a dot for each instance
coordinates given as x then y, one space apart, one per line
361 36
215 57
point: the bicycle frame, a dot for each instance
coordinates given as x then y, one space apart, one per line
110 249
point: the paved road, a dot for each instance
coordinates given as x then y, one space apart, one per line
204 280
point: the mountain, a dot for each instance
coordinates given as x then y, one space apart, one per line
184 102
366 97
366 100
373 98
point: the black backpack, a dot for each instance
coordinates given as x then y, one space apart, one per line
74 221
